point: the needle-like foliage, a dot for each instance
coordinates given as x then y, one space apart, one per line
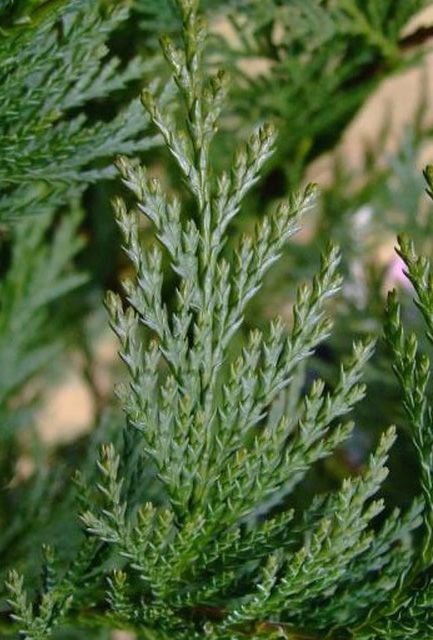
223 421
33 331
213 555
310 65
409 612
54 63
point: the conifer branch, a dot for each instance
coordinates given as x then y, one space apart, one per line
216 543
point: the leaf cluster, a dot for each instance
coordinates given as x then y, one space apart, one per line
192 526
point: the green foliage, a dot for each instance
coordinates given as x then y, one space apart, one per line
409 611
33 331
162 17
202 516
54 64
56 67
220 551
317 63
37 276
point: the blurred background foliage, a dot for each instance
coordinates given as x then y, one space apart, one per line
348 86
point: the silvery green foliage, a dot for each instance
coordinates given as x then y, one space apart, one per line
34 322
39 274
54 62
410 611
210 555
